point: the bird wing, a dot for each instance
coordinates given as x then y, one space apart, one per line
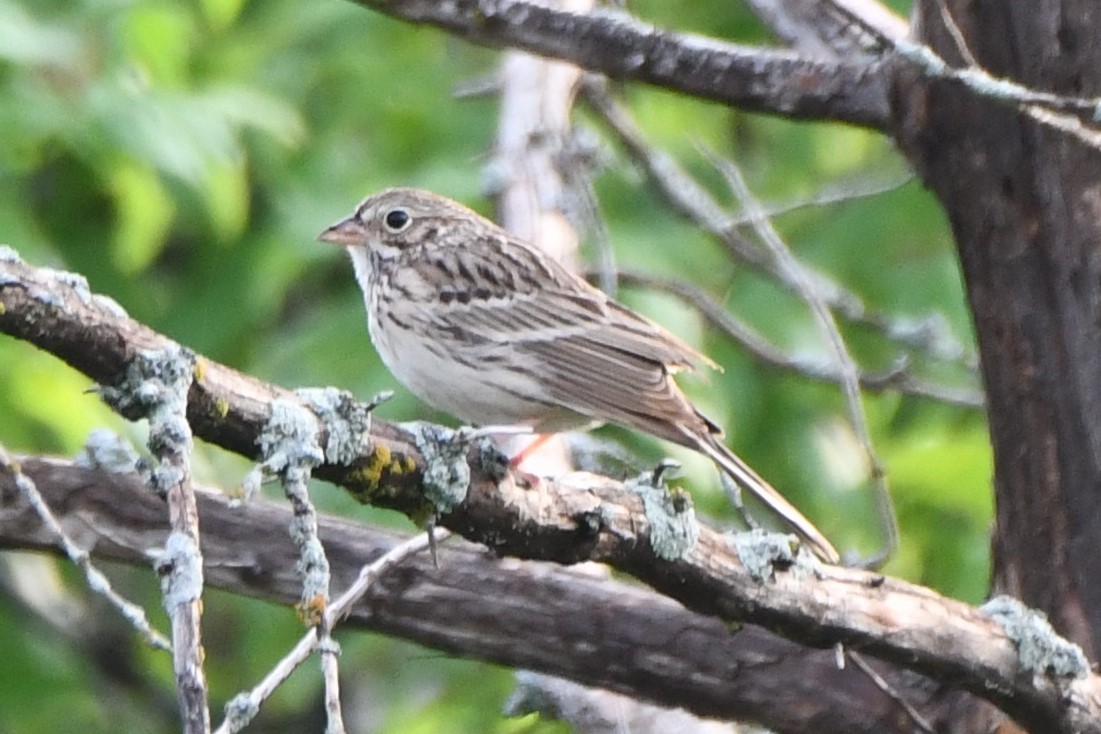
585 351
519 294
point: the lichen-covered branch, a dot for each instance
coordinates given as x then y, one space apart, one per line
587 517
156 386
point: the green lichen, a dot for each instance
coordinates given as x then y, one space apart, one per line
446 476
1040 649
673 526
762 552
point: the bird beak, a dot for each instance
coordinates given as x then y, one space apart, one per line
346 232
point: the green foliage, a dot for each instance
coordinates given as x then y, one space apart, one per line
184 156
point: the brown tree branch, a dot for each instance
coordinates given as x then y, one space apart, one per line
585 517
622 47
824 30
618 636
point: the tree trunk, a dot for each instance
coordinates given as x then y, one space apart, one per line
1024 201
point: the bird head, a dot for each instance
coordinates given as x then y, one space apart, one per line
396 220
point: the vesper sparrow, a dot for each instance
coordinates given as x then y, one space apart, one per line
489 329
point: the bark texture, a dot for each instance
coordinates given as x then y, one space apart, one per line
1024 202
537 616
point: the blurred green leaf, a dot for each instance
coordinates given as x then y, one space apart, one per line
25 40
221 14
225 193
158 36
143 212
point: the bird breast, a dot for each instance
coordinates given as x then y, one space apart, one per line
470 382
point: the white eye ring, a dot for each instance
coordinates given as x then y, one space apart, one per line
397 220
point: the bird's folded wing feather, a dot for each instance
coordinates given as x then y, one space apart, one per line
590 354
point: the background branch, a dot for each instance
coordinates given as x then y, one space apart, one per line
900 377
619 46
521 614
821 30
927 337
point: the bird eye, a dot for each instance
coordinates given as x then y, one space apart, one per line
396 220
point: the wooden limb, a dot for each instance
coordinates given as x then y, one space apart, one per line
587 517
620 636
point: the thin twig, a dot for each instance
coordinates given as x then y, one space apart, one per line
245 705
156 386
956 33
851 191
899 377
689 198
850 374
95 579
1058 111
329 651
880 682
291 450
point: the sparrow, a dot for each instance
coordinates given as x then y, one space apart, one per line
482 325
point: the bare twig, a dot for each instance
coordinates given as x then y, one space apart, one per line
156 387
956 33
838 194
689 198
245 706
792 272
881 683
93 577
899 377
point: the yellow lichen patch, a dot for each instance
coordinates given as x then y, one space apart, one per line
368 477
310 611
221 406
365 479
368 481
200 369
402 464
2 309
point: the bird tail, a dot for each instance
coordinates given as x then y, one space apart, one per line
740 472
